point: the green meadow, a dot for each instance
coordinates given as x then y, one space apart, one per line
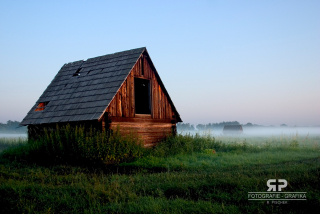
184 174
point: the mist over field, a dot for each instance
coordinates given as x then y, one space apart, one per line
10 135
261 131
10 130
281 130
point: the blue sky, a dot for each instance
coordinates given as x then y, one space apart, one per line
250 61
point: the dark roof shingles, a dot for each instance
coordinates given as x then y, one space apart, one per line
83 97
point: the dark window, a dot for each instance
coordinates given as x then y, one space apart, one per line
142 69
142 96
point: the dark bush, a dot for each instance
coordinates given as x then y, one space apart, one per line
184 144
74 145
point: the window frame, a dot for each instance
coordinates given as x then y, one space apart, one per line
41 106
149 96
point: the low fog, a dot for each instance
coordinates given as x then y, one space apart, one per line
259 131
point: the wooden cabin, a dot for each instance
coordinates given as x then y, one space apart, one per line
121 89
232 129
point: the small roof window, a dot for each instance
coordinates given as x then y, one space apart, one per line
77 73
41 106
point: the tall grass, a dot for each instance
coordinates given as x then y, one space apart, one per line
74 145
6 143
193 143
184 144
201 182
198 152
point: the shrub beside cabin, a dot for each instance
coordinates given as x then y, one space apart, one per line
121 89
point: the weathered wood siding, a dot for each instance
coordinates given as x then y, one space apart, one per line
151 131
123 103
152 127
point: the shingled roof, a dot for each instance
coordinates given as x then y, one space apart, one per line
83 89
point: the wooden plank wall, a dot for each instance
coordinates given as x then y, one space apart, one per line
123 103
150 132
122 108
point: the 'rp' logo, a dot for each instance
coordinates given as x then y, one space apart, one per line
276 187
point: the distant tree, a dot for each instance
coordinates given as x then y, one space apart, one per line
185 127
12 126
201 127
215 125
283 125
249 124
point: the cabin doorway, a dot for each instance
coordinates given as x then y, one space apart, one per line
142 96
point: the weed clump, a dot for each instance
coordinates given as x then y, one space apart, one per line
185 144
74 145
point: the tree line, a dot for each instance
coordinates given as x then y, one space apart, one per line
12 127
209 126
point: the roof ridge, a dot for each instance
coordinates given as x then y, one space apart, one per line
118 53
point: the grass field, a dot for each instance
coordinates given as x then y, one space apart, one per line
186 174
11 142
